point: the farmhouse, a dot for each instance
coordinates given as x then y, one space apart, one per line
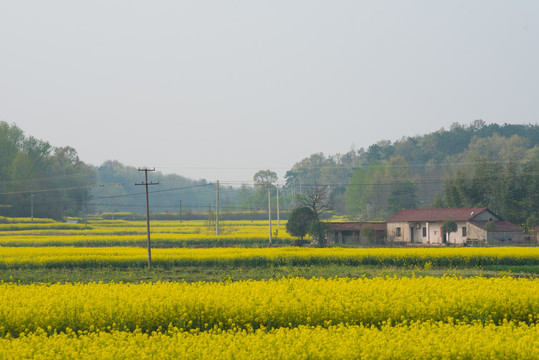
350 232
423 226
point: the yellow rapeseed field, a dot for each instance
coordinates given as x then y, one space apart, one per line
417 341
447 317
34 257
129 233
379 318
251 305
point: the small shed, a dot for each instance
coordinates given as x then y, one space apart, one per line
350 232
504 232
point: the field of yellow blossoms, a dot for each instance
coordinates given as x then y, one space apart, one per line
389 317
90 257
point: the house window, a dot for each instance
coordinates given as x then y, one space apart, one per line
424 232
464 231
398 234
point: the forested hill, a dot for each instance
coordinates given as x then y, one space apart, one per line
52 182
475 165
455 143
466 165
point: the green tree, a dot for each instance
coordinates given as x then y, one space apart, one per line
365 198
317 199
490 226
298 221
309 170
317 229
509 189
367 232
403 196
448 227
403 192
531 222
265 178
73 179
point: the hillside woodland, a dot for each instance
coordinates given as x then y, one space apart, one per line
475 165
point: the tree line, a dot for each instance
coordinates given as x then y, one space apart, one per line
476 165
479 164
38 179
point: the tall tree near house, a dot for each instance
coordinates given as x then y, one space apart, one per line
264 179
530 181
298 221
403 192
510 189
448 227
308 171
490 226
317 199
531 221
364 195
402 196
368 233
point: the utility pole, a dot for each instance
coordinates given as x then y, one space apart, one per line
209 217
180 211
269 212
84 210
32 204
146 183
278 217
217 212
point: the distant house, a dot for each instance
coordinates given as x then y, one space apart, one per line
423 226
350 232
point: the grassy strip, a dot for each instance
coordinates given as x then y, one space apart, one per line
226 273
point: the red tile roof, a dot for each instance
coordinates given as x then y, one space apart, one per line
356 226
459 214
501 226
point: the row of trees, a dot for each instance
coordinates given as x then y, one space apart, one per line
174 194
509 189
476 165
52 182
38 179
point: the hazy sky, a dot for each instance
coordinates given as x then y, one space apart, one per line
221 89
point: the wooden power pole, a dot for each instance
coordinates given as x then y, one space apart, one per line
278 215
269 213
146 183
217 212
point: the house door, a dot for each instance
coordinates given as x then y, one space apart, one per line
411 234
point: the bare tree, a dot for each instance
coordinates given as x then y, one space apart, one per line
317 199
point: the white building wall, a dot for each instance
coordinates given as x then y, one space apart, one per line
433 232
